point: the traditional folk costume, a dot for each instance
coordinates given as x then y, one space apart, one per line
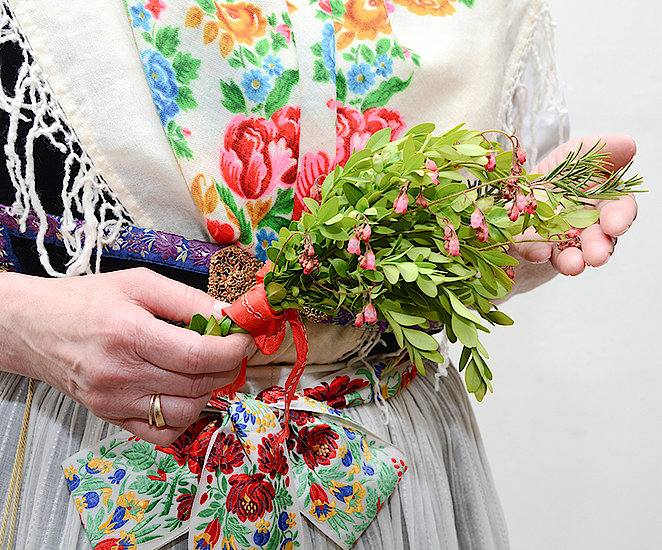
184 126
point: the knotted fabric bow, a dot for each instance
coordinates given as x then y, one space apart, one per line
253 313
228 481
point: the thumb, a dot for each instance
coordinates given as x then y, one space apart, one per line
620 148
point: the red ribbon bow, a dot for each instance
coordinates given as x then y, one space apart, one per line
253 313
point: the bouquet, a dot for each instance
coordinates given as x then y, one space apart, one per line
412 236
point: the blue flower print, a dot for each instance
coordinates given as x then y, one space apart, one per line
249 417
238 426
329 49
141 17
347 459
91 499
273 65
117 476
261 537
283 521
368 470
351 434
256 85
383 65
360 78
264 238
162 82
73 482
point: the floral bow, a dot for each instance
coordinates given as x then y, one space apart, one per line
230 484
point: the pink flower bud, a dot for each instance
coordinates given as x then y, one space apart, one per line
358 322
401 202
520 199
367 261
510 271
531 203
370 313
513 211
366 233
521 155
479 223
354 246
572 233
453 245
449 230
432 166
509 190
491 162
308 267
421 200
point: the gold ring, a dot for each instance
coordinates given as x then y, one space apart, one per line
155 412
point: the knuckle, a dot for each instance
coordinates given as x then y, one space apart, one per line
194 355
199 385
184 412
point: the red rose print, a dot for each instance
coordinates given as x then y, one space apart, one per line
259 155
226 454
349 132
250 496
317 445
334 394
272 395
191 446
271 457
222 233
312 167
381 117
184 507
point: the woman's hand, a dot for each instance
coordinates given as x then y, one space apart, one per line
98 340
616 216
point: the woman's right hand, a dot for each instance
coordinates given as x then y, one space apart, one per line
98 340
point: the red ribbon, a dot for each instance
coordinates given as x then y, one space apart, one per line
253 313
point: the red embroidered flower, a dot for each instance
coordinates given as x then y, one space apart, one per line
155 6
259 155
222 233
317 445
334 394
250 496
184 507
301 418
272 395
191 446
271 457
377 118
226 454
312 168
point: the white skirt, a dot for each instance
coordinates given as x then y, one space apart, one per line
445 501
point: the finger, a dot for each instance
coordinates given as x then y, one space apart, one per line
620 148
596 246
158 436
158 380
181 350
533 252
178 412
168 299
569 261
617 216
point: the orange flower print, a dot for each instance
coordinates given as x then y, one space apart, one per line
366 18
429 7
194 17
244 21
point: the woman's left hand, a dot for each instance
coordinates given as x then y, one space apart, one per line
616 216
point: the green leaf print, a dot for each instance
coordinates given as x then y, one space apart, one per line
185 67
384 92
341 87
167 40
234 98
178 141
185 99
140 456
281 211
235 63
316 49
262 47
145 486
246 234
272 19
207 5
280 95
148 38
320 72
278 42
366 53
338 8
251 57
383 46
468 3
397 51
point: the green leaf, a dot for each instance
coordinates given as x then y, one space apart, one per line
384 92
500 318
198 323
471 150
148 38
250 57
341 87
465 331
185 67
320 72
460 308
420 340
207 5
367 54
392 273
262 47
340 265
406 320
472 377
328 209
185 99
427 286
409 271
233 97
92 484
167 40
379 138
581 218
334 233
499 258
280 95
383 46
140 456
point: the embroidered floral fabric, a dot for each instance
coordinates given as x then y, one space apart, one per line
230 480
232 81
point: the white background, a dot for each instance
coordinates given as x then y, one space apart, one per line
574 428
